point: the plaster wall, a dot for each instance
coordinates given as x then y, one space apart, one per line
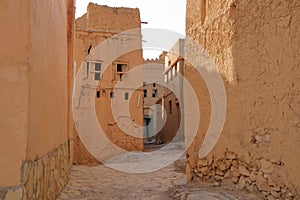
34 94
255 45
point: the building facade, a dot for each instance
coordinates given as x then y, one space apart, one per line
107 76
152 91
172 98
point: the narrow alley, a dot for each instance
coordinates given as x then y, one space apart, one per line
101 182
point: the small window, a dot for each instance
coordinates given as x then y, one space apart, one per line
112 94
126 95
170 107
154 94
97 76
154 84
121 68
145 93
97 71
98 94
97 66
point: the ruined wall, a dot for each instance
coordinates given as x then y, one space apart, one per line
98 24
255 45
112 19
34 98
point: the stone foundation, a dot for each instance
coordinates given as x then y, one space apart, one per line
250 175
43 178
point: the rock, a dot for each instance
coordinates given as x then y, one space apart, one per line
257 164
266 194
221 165
216 184
204 170
218 178
188 173
275 194
271 182
202 163
266 166
227 174
235 180
235 164
235 172
219 172
244 171
261 183
275 188
228 163
230 155
253 176
252 188
242 183
290 195
270 198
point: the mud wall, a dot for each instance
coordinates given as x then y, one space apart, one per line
94 27
34 97
255 45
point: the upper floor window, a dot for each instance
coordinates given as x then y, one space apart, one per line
170 107
97 71
145 93
121 70
126 95
154 94
98 94
112 95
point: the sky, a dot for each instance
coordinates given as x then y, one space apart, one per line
160 14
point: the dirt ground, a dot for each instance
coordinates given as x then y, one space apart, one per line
101 182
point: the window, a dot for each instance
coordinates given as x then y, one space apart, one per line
126 95
97 66
154 94
121 68
154 84
97 71
98 94
170 107
145 93
112 94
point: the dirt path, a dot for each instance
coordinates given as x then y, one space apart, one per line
101 182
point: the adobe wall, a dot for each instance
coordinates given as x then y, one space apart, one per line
255 45
34 144
98 24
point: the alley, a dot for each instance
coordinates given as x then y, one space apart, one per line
101 182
